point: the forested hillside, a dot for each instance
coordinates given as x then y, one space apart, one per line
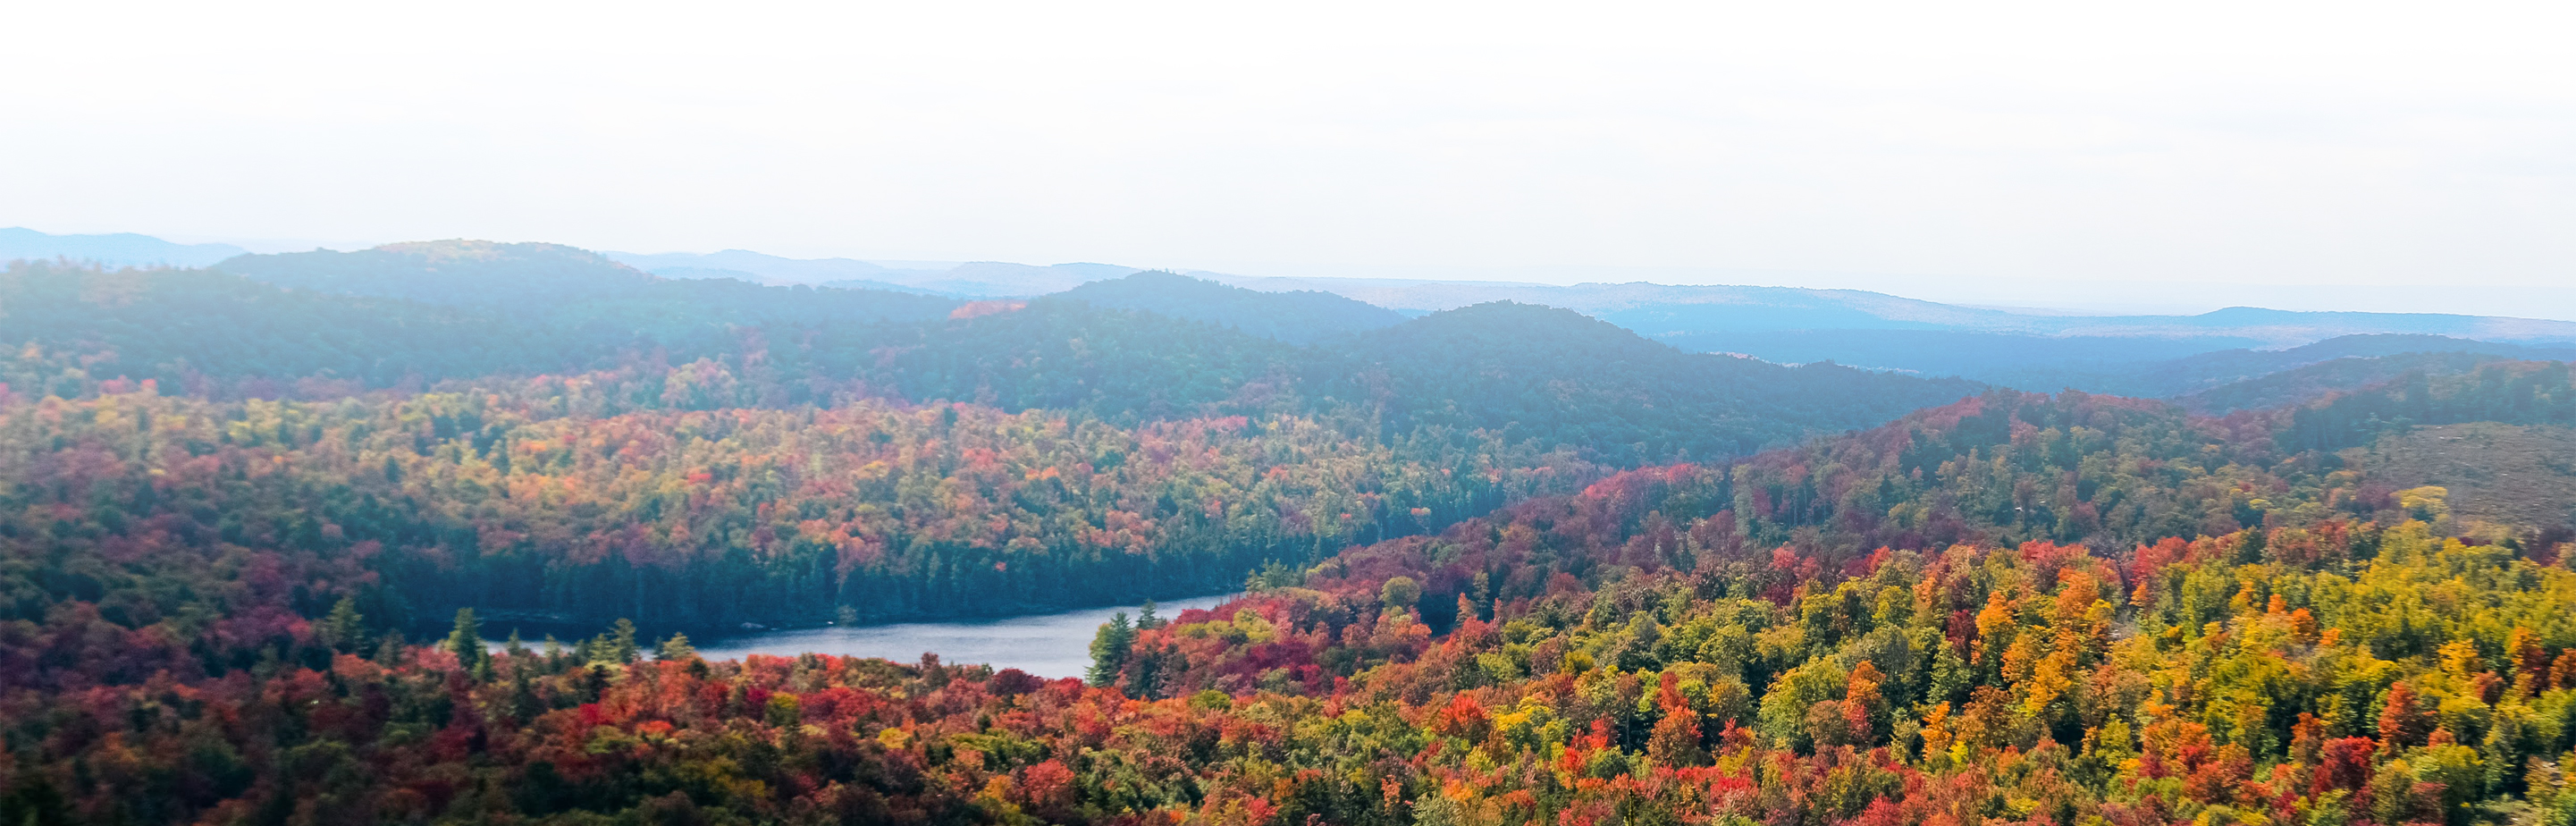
2202 372
1479 589
2515 392
1564 377
401 422
2495 473
562 286
1300 317
217 334
214 333
2015 609
407 316
2218 371
543 502
2322 379
519 276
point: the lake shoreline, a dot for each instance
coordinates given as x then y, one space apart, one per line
1051 644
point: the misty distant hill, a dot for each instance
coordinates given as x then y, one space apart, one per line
1534 373
654 295
1971 354
222 334
2202 372
315 325
2311 382
1782 324
565 284
978 279
1558 375
458 272
1299 317
995 279
752 266
1682 313
1132 347
123 249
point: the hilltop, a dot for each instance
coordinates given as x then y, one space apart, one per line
1300 317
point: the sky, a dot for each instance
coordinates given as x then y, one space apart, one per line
2090 156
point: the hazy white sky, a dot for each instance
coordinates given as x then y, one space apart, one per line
2045 144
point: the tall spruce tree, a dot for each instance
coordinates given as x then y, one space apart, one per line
344 630
617 646
467 639
1109 649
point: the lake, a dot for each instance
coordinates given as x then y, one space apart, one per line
1047 645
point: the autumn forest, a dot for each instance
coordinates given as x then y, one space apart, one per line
1501 564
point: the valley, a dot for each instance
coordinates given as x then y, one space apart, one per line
282 540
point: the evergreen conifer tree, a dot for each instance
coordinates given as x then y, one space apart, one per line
389 651
467 639
1109 649
616 646
343 630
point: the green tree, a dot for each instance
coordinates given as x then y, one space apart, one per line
616 646
676 648
1109 649
1400 593
467 640
343 630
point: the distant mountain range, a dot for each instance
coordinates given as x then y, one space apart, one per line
123 249
1662 310
1146 347
975 279
2205 371
1786 324
2026 349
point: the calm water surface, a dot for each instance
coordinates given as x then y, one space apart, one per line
1047 645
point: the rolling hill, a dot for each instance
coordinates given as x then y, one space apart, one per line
1301 317
414 315
123 249
1557 374
2203 371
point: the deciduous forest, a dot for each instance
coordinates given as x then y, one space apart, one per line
1500 565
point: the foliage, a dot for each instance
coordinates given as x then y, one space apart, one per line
2323 379
533 507
69 328
2419 680
2012 609
2514 392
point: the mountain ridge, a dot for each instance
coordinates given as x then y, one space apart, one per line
119 249
1301 317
